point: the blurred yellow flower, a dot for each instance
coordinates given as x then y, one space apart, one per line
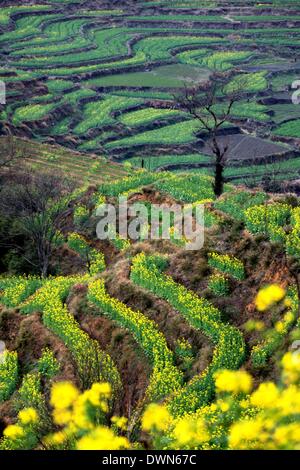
102 438
97 392
56 438
28 416
243 432
119 421
291 367
190 432
63 395
62 416
155 417
265 396
254 325
233 381
288 435
224 406
13 431
268 296
287 303
279 326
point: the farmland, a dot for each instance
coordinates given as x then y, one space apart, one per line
120 61
139 340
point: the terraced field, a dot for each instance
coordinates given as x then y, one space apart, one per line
82 168
124 343
147 327
103 79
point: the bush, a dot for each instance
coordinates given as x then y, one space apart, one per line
81 215
218 284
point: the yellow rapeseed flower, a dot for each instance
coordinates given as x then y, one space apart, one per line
190 432
288 435
28 416
287 303
62 416
98 395
244 434
119 421
291 367
80 414
63 395
289 401
155 417
265 396
279 327
104 389
224 406
233 381
56 438
13 431
268 296
102 438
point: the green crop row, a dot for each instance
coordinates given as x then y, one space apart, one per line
7 12
92 363
194 188
109 43
94 259
9 373
165 377
218 284
17 289
25 27
157 161
237 202
148 115
224 60
227 264
179 133
98 113
201 315
275 337
293 238
30 395
250 82
128 183
289 129
159 48
52 40
32 112
268 219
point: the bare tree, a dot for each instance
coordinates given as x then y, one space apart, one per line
212 115
10 151
38 204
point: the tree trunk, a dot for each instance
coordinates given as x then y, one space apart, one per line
219 179
44 271
44 253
